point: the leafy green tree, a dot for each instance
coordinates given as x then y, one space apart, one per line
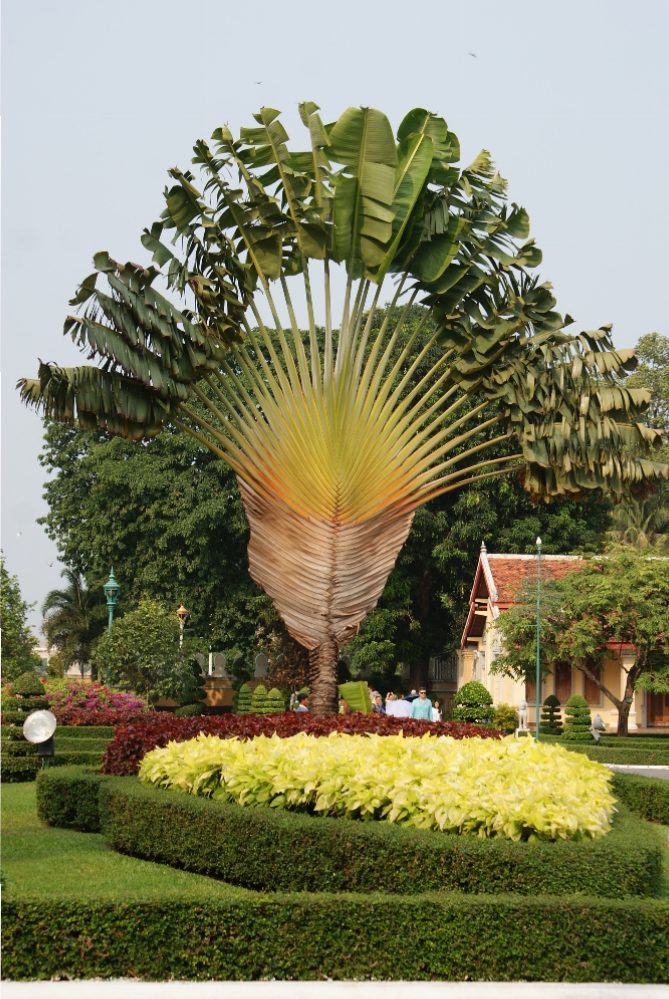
622 597
142 654
18 642
333 449
73 619
168 516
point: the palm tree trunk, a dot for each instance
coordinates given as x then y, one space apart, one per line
323 699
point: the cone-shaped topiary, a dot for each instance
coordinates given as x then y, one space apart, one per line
577 721
258 699
551 716
275 702
473 703
244 700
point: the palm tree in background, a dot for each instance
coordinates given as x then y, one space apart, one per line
333 442
73 619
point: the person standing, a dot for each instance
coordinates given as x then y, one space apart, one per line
436 712
303 703
421 708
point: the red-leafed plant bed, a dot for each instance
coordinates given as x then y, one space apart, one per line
131 742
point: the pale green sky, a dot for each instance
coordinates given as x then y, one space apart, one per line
100 99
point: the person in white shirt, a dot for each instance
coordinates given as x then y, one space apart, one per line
436 712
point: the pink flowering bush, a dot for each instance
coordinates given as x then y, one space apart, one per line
76 703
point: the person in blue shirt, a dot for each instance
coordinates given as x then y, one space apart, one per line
421 708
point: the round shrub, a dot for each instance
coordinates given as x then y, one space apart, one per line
577 720
505 718
28 685
473 703
551 716
258 698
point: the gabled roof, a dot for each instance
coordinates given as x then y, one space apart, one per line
499 580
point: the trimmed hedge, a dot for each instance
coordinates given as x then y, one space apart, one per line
647 797
86 731
18 769
610 754
68 797
421 937
270 849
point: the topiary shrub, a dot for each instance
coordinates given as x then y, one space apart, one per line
473 703
244 700
28 685
577 720
258 699
505 718
551 716
275 702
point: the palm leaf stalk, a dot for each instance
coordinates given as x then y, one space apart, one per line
335 437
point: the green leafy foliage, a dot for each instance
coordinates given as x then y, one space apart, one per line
28 685
18 642
516 789
142 654
473 703
505 718
73 618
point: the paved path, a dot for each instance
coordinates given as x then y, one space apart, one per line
125 989
662 773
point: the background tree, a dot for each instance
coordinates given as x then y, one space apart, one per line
333 454
73 618
644 521
141 653
622 597
18 642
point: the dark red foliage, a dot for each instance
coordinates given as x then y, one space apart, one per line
131 742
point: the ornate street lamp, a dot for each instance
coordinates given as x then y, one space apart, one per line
538 643
111 590
182 614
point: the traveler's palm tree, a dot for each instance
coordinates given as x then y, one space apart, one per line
334 441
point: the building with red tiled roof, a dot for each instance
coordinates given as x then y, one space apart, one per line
499 582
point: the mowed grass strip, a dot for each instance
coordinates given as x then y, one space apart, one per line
42 862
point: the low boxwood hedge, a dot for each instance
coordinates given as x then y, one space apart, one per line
653 756
270 849
310 937
68 797
647 797
18 769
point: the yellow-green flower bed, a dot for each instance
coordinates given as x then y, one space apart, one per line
513 788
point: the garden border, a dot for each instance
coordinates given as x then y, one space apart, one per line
430 936
274 850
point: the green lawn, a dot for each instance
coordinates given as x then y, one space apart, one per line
39 860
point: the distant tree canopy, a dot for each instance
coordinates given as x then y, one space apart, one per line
18 642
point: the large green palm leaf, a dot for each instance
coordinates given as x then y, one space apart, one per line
334 437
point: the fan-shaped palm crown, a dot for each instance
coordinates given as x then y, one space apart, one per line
337 435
